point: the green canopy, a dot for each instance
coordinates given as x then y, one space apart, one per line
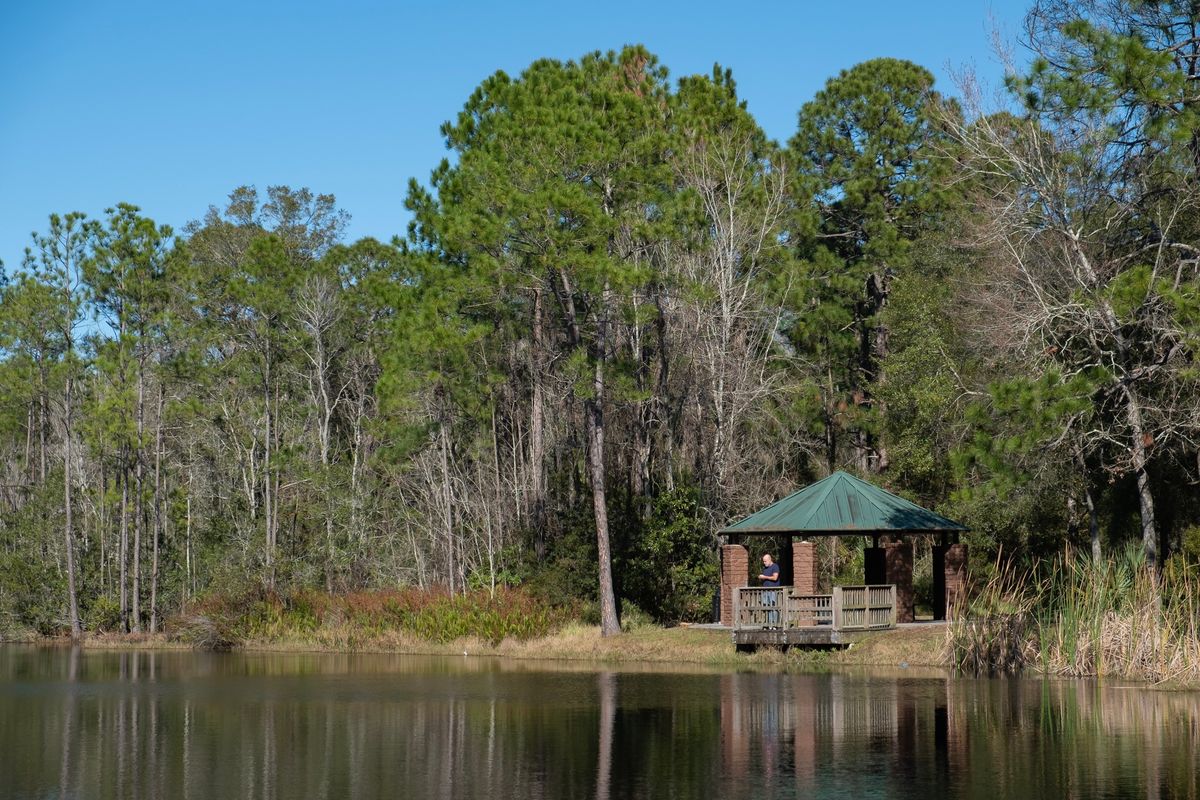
842 504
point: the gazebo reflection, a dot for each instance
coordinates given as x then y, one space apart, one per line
823 728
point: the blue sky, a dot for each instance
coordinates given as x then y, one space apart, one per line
170 105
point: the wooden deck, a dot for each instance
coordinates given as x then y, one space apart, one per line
783 617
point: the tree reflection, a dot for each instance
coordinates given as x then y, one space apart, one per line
123 725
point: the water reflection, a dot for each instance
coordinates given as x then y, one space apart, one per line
159 725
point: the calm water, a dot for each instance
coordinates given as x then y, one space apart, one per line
187 725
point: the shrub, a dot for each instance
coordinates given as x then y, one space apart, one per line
202 632
433 615
670 569
633 617
103 615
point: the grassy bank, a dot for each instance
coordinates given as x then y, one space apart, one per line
576 641
510 623
1070 618
1075 617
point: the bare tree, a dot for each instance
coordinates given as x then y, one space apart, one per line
725 317
1084 290
317 315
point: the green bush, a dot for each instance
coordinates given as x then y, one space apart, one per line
670 568
103 615
36 595
1190 541
633 617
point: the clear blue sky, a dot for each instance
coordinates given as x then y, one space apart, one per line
170 105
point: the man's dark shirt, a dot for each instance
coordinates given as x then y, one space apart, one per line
773 573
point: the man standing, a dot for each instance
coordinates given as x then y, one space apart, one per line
770 578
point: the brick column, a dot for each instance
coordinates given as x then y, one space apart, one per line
735 571
804 567
899 562
955 572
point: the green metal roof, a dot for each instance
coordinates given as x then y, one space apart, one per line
840 504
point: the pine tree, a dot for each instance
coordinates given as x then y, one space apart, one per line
866 151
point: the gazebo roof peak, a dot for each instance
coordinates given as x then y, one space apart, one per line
843 504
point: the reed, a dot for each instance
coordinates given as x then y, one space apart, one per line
1076 617
993 625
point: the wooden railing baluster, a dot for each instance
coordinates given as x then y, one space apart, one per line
848 608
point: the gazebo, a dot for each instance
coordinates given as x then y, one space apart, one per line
843 505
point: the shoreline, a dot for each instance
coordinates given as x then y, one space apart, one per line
908 652
684 645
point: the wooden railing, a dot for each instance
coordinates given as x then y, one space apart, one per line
849 608
860 608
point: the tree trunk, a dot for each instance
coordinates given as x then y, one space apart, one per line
1089 503
356 460
639 469
873 348
831 422
498 508
447 508
102 522
124 547
68 526
158 520
666 459
187 541
594 415
326 405
1093 525
276 477
42 433
1133 414
27 464
138 508
268 511
537 432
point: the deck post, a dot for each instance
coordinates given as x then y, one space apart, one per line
955 580
804 567
735 572
899 562
837 608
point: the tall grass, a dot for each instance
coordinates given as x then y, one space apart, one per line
993 625
1075 617
222 621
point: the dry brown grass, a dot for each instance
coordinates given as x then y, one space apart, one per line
918 646
648 645
574 642
1081 619
119 641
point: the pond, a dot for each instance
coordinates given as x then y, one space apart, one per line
101 724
